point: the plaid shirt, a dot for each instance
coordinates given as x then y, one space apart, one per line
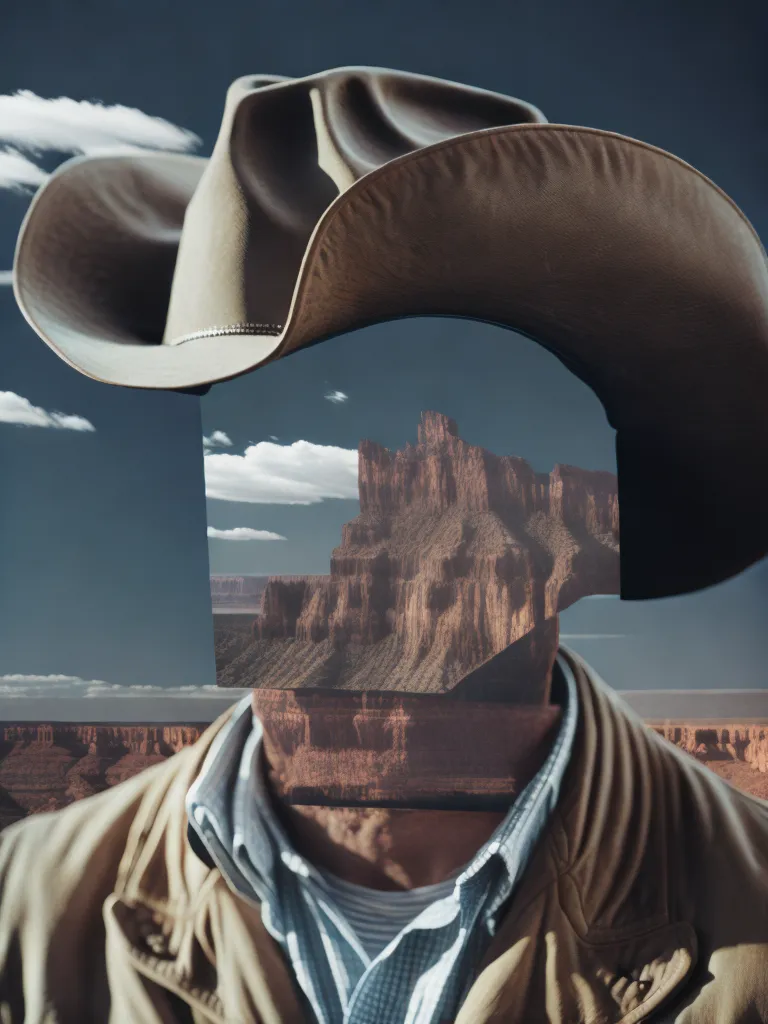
422 976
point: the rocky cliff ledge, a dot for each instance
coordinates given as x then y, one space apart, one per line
457 554
745 743
44 766
101 738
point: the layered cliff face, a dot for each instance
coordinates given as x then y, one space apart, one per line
746 743
101 738
738 753
45 766
412 749
457 554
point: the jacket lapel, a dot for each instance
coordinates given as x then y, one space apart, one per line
174 925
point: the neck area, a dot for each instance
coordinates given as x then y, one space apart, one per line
387 848
394 790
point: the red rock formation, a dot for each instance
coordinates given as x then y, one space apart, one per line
721 742
44 766
393 748
457 554
102 738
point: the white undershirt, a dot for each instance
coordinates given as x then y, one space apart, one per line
377 916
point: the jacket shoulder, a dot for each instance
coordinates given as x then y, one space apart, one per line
43 839
720 847
703 787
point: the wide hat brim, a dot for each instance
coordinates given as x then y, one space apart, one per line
363 195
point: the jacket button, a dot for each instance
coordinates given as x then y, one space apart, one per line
156 943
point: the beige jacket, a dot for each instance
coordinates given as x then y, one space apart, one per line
648 892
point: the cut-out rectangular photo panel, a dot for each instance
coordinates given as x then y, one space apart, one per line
425 512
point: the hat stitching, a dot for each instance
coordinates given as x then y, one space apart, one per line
244 328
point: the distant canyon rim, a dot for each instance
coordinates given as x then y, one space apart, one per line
45 766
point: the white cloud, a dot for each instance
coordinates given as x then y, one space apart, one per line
337 397
60 686
298 474
218 439
31 125
243 533
17 172
272 437
19 411
6 277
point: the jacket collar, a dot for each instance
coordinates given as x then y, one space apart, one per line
609 831
608 934
619 949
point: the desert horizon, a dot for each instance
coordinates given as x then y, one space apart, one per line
46 765
458 556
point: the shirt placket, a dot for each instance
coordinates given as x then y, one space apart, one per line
430 948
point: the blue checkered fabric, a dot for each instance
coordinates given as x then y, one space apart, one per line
422 976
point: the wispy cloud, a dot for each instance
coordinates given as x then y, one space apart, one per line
298 474
337 397
20 412
217 439
243 533
32 125
18 172
61 686
6 277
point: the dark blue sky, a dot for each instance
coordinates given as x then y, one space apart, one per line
102 535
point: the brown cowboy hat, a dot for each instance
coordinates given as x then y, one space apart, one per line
361 195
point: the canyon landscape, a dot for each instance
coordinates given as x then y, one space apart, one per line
451 577
453 573
738 753
45 766
459 561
